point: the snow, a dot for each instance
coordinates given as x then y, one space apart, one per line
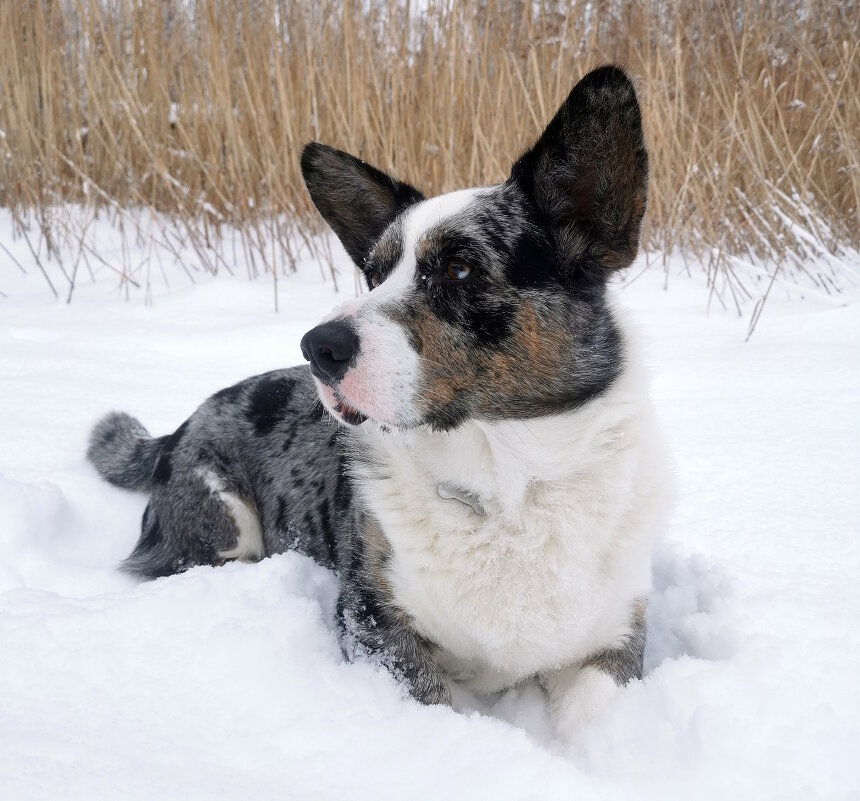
228 683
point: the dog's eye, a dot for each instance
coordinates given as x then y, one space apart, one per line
375 279
457 270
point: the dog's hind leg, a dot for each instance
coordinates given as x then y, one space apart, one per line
249 545
193 520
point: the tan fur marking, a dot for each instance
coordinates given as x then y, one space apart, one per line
496 380
429 242
448 369
540 347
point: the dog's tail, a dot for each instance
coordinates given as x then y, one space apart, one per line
124 452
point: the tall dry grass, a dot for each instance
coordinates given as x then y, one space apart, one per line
199 109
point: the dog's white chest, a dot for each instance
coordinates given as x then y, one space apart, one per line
502 595
512 570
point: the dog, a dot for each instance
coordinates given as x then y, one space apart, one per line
492 485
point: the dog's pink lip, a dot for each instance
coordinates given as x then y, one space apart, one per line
347 413
337 405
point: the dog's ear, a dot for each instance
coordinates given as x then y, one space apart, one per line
588 176
356 200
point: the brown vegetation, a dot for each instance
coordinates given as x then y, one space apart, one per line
199 109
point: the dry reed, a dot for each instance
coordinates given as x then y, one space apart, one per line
198 110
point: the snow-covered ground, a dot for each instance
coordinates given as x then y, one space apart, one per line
229 682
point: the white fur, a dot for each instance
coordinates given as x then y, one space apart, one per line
249 544
418 221
548 574
577 696
383 382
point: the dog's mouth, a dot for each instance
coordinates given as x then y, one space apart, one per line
337 406
342 410
348 414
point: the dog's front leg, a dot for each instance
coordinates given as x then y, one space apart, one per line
374 630
577 693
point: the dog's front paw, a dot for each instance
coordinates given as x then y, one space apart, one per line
576 697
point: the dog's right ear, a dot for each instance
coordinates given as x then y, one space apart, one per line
356 200
588 176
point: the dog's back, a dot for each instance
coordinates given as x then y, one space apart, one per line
257 469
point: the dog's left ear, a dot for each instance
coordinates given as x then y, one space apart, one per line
588 176
356 200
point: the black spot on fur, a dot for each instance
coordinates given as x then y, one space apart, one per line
327 532
316 413
489 323
343 487
164 467
163 470
310 530
290 434
150 535
268 401
281 521
532 263
483 317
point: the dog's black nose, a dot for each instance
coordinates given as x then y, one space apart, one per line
330 348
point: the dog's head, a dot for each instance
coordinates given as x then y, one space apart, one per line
485 303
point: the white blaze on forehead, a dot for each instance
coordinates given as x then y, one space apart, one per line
417 221
429 213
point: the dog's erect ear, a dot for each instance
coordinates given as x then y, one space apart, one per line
588 176
356 200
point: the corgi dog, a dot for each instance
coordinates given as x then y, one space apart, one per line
472 447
